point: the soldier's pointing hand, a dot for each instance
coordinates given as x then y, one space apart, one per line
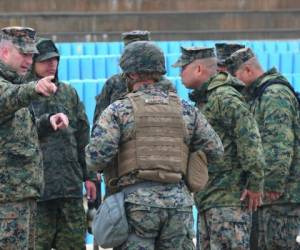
45 86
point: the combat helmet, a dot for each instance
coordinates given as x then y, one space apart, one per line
142 57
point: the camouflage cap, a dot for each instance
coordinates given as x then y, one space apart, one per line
189 55
224 50
22 37
135 35
142 56
46 50
238 58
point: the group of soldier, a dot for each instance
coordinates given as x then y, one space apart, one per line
246 122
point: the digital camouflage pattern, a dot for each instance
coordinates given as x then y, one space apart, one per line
279 227
243 162
115 88
61 224
225 228
277 115
22 37
115 126
146 222
224 50
118 118
237 59
189 55
17 225
142 56
21 170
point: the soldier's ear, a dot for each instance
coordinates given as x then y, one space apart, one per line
4 52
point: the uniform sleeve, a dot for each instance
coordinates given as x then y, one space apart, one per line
104 141
206 139
102 100
277 137
14 97
43 125
82 137
236 114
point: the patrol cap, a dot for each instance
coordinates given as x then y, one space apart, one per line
189 55
235 61
135 35
224 50
23 38
46 50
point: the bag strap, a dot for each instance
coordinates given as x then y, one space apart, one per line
259 92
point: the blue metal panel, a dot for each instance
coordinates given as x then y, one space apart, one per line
77 84
263 59
273 60
269 46
257 46
86 67
164 46
77 49
65 49
74 67
286 63
182 91
102 48
173 47
296 68
114 48
293 46
89 48
90 91
112 65
63 69
170 60
282 46
99 67
296 82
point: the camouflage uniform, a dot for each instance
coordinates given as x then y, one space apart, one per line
224 222
159 216
21 172
277 115
60 213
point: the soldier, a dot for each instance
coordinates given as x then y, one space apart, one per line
276 110
224 50
152 130
60 213
115 87
235 181
21 171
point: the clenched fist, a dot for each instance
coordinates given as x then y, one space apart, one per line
59 121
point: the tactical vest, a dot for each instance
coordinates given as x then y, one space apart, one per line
157 151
